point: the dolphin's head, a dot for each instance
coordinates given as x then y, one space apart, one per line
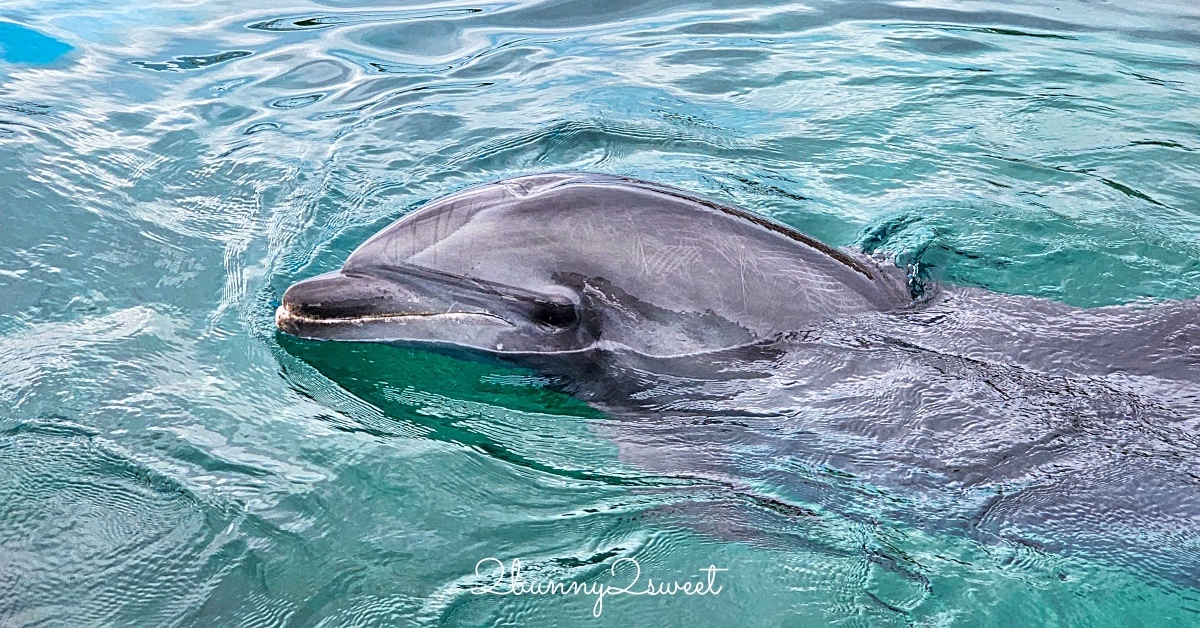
446 275
564 263
410 304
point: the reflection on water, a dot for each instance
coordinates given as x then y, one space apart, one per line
169 167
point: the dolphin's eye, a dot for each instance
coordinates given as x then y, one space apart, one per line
554 314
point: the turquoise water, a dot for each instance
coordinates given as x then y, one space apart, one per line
168 168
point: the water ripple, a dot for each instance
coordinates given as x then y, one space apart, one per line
166 458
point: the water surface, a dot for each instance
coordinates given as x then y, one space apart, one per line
168 168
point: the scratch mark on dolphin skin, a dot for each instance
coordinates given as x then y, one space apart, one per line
742 272
639 246
670 259
783 230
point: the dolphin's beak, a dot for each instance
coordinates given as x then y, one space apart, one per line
422 305
335 297
349 305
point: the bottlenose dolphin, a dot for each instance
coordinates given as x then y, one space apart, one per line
739 350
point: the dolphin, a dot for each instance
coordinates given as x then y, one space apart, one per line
739 350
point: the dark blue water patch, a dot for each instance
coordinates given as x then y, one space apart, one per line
1012 32
261 126
27 108
21 44
1175 85
317 22
296 101
193 62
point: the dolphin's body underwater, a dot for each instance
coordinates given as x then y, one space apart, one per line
740 350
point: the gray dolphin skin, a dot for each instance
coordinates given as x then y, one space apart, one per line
732 349
550 264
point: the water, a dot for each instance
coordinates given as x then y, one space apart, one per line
168 168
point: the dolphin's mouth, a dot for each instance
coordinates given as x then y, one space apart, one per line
359 298
286 319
